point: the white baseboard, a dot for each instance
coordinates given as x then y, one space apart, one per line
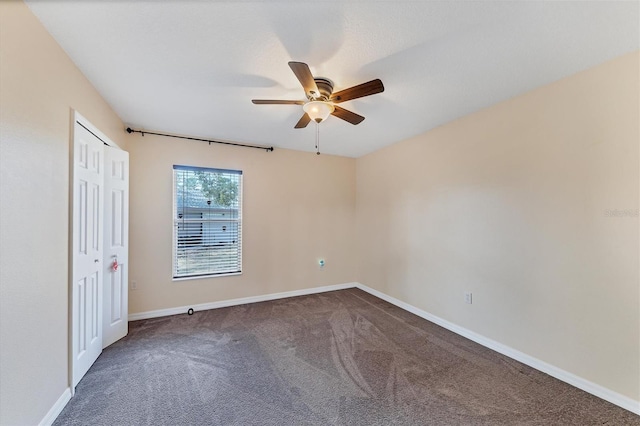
57 408
235 302
560 374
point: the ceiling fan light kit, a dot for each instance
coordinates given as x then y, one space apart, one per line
318 111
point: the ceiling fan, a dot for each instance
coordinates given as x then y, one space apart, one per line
321 101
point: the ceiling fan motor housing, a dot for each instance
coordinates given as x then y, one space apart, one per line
325 86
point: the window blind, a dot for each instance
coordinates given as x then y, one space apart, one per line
207 222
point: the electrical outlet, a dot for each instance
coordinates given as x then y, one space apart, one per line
468 297
134 285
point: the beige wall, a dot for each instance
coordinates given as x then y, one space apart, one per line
297 208
510 203
39 86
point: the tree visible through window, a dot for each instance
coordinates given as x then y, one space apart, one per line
207 222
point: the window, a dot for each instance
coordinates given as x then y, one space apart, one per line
207 222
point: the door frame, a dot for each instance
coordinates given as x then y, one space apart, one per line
75 116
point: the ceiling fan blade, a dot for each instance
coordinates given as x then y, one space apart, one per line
303 73
302 123
347 115
365 89
275 102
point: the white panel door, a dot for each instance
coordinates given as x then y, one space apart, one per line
87 249
116 246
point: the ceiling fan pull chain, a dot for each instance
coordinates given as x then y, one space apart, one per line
317 138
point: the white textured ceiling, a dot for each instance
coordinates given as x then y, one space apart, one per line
192 67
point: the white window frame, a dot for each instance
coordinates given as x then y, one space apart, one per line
176 219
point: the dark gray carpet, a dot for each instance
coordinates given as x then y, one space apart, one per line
338 358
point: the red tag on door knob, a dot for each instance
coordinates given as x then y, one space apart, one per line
115 264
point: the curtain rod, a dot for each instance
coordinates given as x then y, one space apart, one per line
142 132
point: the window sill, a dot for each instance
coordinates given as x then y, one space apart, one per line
204 277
